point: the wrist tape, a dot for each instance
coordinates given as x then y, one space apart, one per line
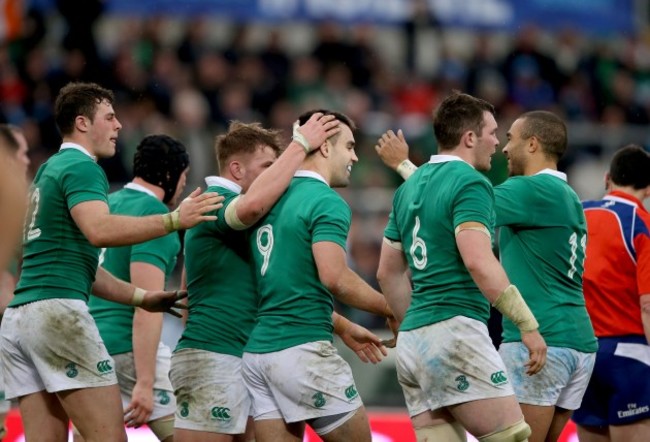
512 306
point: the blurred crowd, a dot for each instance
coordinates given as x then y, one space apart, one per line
188 77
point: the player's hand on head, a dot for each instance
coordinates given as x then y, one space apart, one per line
392 148
140 408
194 208
537 351
316 130
165 301
364 343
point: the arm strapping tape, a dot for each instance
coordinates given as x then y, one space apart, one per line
481 229
393 244
231 216
511 305
406 168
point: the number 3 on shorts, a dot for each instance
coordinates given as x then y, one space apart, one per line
265 245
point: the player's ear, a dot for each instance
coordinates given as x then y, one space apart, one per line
325 148
608 181
236 169
533 144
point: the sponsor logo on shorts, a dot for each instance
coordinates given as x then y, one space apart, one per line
163 397
498 378
319 400
351 392
220 413
71 370
104 366
632 410
463 384
184 409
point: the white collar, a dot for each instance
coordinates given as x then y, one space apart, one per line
618 199
222 182
555 173
310 174
435 159
79 147
139 188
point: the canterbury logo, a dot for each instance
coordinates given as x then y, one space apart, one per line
220 413
351 392
104 366
498 378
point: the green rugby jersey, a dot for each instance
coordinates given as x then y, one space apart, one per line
427 208
542 243
114 320
295 307
58 260
222 298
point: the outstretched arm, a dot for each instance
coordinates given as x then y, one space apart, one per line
109 287
105 230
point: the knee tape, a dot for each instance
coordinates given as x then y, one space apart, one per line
162 427
449 432
518 432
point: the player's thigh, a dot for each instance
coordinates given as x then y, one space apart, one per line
356 428
560 419
277 430
485 416
593 433
96 412
635 432
43 416
210 393
181 435
540 419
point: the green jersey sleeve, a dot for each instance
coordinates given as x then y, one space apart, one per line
330 220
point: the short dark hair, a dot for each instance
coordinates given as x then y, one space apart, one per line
161 160
302 119
549 129
244 138
630 166
76 99
8 137
457 114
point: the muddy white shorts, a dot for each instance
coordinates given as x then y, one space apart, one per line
164 403
210 392
562 382
447 363
300 383
52 345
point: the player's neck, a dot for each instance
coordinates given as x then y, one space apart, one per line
319 165
78 139
158 191
639 194
536 165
